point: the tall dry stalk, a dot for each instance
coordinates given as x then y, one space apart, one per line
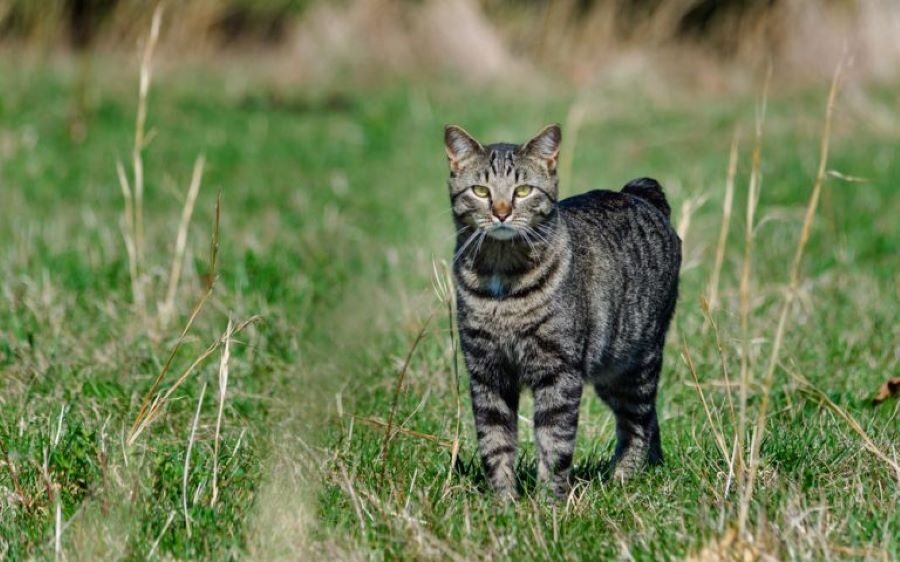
133 192
128 234
841 413
727 204
168 307
141 418
223 388
152 409
744 288
443 281
185 477
789 296
574 119
717 432
723 363
139 130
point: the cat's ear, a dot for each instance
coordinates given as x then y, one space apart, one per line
460 147
544 147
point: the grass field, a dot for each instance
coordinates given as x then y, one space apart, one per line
334 219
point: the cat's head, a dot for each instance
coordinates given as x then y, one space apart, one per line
503 190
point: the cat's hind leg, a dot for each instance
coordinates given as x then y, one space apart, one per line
632 398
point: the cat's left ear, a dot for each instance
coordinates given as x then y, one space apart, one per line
544 147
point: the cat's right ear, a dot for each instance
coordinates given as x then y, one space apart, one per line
545 146
460 147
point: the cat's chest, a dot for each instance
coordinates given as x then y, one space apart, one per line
496 286
505 322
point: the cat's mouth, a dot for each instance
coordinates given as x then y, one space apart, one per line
502 232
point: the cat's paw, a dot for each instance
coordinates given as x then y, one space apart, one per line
506 495
554 491
627 468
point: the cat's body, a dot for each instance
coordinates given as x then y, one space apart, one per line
582 292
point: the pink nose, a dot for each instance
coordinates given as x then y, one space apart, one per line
501 209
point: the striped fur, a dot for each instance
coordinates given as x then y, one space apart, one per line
557 294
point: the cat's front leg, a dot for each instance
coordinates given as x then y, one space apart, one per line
557 397
495 401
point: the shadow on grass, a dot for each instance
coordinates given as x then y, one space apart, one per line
594 468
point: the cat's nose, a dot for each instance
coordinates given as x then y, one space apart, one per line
501 209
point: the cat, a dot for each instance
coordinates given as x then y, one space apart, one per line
552 294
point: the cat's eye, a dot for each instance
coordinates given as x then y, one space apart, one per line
523 190
481 191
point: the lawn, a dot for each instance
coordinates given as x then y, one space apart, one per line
334 230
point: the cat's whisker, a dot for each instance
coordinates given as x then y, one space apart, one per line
526 230
463 229
524 233
465 245
455 235
544 229
537 234
480 242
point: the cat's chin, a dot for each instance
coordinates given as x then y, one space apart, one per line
502 233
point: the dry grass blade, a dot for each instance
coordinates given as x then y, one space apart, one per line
353 498
744 287
24 499
454 362
145 403
791 292
57 534
726 222
375 422
727 548
223 388
137 294
139 131
187 462
574 119
214 246
400 378
168 306
443 282
717 433
155 545
688 208
161 400
720 350
854 425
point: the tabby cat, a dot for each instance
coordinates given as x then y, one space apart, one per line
551 294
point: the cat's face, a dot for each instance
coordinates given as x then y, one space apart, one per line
503 191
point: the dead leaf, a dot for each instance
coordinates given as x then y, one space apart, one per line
890 389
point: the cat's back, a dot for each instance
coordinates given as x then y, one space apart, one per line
639 210
625 262
624 230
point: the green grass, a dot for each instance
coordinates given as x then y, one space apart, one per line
333 210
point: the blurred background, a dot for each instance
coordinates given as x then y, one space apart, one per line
574 40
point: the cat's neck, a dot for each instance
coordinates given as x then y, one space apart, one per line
505 257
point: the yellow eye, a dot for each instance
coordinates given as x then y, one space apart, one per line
523 190
481 191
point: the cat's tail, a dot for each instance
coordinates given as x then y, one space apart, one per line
649 190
